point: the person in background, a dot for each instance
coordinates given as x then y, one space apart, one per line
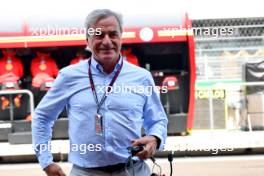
43 71
43 63
11 71
129 56
80 56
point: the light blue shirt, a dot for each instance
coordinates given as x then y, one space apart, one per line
133 103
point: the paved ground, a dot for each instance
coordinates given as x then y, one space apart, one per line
211 142
189 166
205 142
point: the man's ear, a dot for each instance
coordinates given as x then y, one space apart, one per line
87 48
88 40
88 45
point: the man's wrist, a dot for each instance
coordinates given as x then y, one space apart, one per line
157 140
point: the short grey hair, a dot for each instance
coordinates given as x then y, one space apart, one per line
96 15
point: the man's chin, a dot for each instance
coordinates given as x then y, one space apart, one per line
108 57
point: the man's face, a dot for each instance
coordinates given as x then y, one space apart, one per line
107 46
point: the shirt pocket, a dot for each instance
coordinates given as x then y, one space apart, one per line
81 112
128 105
75 109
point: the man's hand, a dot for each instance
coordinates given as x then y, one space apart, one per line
150 143
54 170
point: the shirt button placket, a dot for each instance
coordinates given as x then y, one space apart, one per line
107 80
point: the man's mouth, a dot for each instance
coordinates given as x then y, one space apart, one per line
106 49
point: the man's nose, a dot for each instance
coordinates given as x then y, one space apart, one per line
106 40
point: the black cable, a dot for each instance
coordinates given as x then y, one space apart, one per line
152 159
132 165
133 151
129 164
170 158
155 164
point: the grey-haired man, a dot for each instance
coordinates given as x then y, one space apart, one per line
105 123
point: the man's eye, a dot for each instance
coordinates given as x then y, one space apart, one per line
110 35
113 35
99 36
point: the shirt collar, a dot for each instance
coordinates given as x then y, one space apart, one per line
98 67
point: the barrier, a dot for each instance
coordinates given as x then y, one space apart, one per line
11 109
244 108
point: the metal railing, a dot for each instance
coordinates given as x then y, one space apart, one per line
236 100
11 108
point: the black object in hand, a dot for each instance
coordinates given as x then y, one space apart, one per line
154 174
133 150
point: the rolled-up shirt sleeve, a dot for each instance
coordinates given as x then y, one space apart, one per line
44 116
155 118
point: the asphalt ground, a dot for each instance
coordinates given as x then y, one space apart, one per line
252 165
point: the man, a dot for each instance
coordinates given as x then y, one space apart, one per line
11 71
105 121
43 70
43 63
80 56
129 56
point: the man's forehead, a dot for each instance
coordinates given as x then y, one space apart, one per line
107 25
107 21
